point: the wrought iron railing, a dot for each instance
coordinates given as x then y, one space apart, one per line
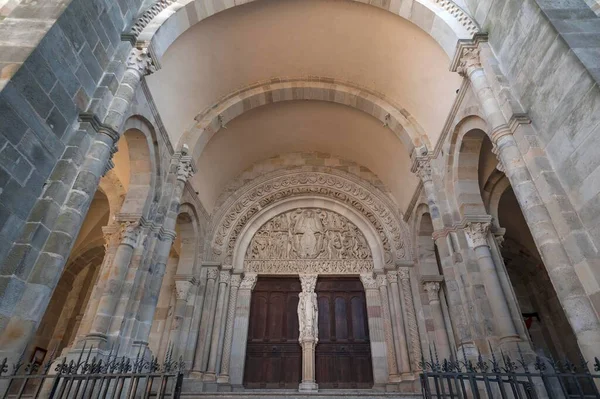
92 378
509 379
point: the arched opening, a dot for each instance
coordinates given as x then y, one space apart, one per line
70 298
544 319
177 294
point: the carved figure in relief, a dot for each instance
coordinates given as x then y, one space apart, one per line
308 314
309 234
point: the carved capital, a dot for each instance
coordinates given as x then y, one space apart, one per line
140 61
432 288
369 281
469 61
212 273
477 233
129 233
392 277
224 277
236 280
309 282
184 168
381 280
404 273
182 289
248 282
422 168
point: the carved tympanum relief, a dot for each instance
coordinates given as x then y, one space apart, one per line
308 240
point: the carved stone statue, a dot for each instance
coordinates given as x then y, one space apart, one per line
308 315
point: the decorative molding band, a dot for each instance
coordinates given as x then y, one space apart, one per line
308 266
460 15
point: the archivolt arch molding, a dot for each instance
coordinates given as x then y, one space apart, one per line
163 23
278 208
233 216
396 118
463 193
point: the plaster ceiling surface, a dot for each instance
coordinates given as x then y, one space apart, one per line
348 41
298 126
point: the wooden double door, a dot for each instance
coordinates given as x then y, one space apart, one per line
343 354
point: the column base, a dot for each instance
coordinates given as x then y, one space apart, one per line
395 378
196 374
223 379
308 386
209 377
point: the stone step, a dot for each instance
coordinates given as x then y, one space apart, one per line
293 394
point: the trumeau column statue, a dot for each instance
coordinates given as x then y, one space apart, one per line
570 291
308 316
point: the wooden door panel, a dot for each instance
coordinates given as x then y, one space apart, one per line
273 354
343 354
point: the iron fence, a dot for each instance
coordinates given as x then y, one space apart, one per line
509 379
93 378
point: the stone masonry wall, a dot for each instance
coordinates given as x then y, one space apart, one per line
40 104
548 53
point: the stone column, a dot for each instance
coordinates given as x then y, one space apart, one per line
182 293
432 288
577 305
196 318
211 371
240 330
448 257
379 351
308 318
410 319
109 300
205 323
477 233
111 243
223 378
183 170
398 325
387 328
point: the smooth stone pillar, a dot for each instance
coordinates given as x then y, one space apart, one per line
398 325
109 300
240 330
207 314
223 377
387 329
182 293
379 350
442 344
477 236
211 371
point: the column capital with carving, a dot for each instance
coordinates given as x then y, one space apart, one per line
422 167
224 276
212 273
404 273
381 280
140 61
432 288
182 289
369 281
392 276
476 233
236 280
129 232
308 282
467 55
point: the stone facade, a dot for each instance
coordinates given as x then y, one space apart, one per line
488 245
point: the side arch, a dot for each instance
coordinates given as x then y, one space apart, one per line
161 25
396 118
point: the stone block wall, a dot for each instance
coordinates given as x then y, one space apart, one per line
41 98
548 57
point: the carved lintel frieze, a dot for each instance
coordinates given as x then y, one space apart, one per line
308 266
477 233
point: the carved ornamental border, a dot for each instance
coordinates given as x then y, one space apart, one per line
394 236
